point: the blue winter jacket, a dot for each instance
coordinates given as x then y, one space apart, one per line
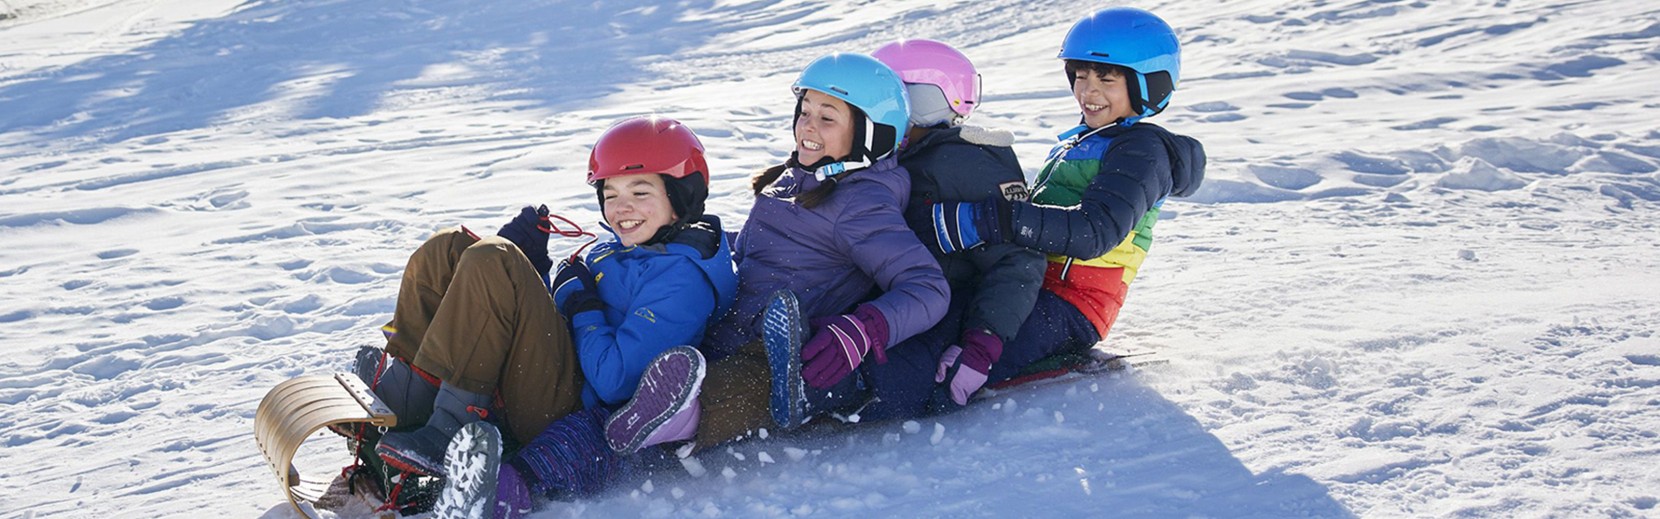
832 255
656 297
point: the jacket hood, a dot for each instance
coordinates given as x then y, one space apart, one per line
1187 164
1187 159
707 245
703 236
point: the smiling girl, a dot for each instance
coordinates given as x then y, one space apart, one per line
825 230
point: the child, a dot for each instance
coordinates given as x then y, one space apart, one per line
826 228
1098 196
993 287
481 320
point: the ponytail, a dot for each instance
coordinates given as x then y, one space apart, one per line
761 179
809 200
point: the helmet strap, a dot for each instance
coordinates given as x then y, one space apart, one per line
864 137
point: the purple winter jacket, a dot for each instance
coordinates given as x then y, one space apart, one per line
832 255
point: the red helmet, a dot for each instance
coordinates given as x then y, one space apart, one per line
647 145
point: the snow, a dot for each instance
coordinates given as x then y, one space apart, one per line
1418 282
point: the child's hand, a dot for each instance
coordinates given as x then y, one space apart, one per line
960 226
968 365
841 344
573 289
529 232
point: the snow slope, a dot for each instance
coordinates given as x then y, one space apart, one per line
1420 279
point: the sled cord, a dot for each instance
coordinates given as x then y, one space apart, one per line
574 232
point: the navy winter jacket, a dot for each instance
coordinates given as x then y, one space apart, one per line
1139 167
969 164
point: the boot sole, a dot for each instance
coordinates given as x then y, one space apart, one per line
783 333
472 461
627 429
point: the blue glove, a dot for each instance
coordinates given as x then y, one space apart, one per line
574 291
529 231
961 226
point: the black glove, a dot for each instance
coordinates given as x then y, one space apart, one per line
529 231
573 289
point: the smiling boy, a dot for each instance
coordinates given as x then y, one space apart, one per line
1098 195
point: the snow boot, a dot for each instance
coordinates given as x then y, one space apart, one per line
470 464
783 331
405 392
664 408
421 451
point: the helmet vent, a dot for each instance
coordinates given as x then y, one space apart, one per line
1100 54
631 167
839 90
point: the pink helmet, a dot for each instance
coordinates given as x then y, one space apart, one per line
943 86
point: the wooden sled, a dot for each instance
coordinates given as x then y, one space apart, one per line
294 410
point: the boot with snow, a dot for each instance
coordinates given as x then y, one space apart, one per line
397 385
664 408
783 331
471 463
421 451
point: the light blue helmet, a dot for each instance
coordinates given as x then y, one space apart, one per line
873 88
1134 39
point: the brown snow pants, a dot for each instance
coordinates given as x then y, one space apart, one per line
474 313
735 397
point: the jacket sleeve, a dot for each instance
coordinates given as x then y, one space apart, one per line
1134 175
914 291
672 312
1005 295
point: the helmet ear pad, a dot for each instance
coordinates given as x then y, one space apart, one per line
1153 92
881 141
686 196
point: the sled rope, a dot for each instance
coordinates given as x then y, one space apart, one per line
574 232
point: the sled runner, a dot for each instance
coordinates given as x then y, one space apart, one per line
1069 365
291 412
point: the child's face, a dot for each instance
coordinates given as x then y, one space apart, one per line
637 206
823 128
1103 98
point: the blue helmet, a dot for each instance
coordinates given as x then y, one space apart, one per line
876 90
1134 39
